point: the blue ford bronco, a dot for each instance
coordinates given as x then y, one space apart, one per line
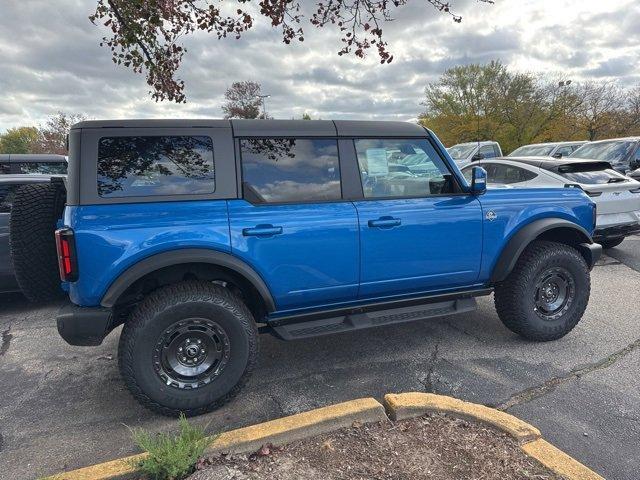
197 235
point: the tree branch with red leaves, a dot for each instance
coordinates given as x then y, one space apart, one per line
145 35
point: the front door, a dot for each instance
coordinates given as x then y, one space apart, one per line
417 232
292 225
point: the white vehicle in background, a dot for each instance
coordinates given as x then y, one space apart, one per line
463 153
622 153
551 149
617 197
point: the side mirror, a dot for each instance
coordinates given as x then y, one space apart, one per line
557 155
477 156
478 180
634 164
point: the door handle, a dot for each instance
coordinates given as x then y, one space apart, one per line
262 231
385 222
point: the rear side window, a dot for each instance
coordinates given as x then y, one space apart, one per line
42 167
283 170
488 151
140 166
396 168
597 177
502 174
565 150
508 174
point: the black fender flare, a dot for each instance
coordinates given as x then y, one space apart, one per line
182 256
523 237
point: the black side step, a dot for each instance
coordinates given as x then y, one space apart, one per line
361 320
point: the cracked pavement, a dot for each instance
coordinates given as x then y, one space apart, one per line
63 407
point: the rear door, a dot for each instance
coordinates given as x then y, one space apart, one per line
292 224
417 233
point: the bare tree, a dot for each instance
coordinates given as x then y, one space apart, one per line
602 103
145 34
242 100
52 136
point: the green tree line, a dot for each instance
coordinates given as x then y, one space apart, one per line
492 102
48 138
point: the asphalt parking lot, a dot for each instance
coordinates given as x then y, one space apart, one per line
63 407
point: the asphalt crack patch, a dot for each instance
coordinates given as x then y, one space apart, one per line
428 380
6 341
538 391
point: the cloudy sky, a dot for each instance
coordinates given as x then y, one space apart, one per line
51 59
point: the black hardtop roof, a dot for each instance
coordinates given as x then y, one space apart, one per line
254 128
31 157
553 164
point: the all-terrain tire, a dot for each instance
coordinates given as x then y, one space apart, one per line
611 242
34 214
143 340
517 298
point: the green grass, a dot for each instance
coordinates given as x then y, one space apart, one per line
171 457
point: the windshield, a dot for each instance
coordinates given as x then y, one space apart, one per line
462 150
613 151
532 151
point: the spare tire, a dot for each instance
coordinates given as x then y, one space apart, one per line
34 215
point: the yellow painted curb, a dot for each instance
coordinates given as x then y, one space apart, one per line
299 426
364 410
279 431
559 462
406 405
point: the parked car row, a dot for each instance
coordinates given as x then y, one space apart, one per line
556 149
622 153
46 164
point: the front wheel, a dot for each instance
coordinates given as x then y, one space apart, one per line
546 294
187 348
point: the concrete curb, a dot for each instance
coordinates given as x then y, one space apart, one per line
365 410
280 431
407 405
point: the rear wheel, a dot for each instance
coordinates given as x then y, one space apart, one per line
188 347
34 215
611 242
546 294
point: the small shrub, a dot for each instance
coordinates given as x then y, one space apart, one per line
171 457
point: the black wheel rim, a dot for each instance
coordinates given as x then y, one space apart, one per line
191 353
554 293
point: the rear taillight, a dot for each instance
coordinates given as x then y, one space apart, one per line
66 246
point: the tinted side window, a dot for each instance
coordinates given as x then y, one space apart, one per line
5 168
508 174
401 168
564 151
502 174
42 167
276 170
155 165
488 151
